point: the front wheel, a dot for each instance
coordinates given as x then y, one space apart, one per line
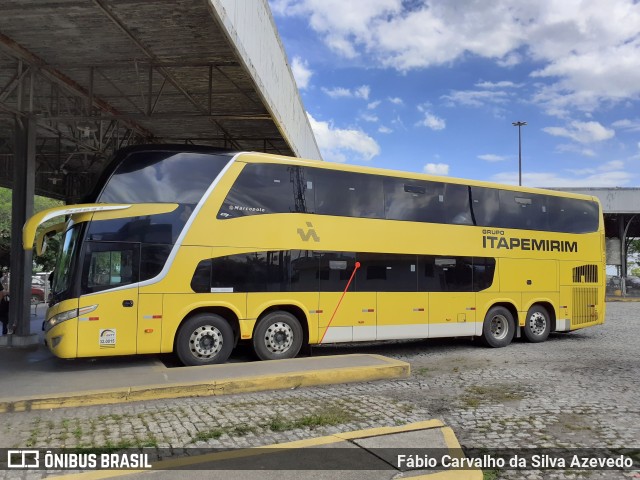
204 339
538 324
278 335
498 327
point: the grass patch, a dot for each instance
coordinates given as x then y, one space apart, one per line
208 435
495 393
422 371
490 474
242 430
327 417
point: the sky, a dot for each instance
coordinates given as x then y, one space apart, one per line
433 86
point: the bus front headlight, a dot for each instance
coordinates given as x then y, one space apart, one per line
60 317
68 315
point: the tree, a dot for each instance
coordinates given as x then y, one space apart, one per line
45 262
633 256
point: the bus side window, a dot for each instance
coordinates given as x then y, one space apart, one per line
483 273
201 280
267 188
414 200
456 204
572 215
335 270
304 271
486 206
348 194
523 210
383 272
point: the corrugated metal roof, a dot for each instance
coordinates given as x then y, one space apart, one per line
109 73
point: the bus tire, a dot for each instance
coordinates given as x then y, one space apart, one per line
498 327
538 324
204 339
277 335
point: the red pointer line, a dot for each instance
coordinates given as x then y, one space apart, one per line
357 266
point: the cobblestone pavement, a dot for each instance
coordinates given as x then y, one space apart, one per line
575 390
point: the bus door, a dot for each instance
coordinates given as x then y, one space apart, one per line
108 306
344 316
401 310
452 301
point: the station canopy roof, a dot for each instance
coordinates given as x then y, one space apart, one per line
103 74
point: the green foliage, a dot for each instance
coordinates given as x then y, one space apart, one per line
45 262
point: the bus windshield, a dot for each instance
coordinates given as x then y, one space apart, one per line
64 263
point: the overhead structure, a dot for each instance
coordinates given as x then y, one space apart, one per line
621 209
103 74
80 79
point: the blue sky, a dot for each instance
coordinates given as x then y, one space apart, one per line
434 86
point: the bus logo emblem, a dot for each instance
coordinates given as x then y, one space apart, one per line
311 233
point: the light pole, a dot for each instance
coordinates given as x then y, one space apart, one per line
519 125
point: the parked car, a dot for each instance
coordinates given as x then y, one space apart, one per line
632 281
37 294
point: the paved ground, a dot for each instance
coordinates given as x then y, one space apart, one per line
575 390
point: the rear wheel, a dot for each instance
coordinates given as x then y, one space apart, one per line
498 327
278 335
538 324
204 339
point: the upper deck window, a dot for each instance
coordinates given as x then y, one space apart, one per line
162 177
267 188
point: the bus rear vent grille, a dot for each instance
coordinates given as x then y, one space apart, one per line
585 274
585 302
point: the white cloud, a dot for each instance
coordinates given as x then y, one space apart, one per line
340 145
301 72
362 92
396 100
582 132
337 92
383 129
436 168
367 117
586 51
626 124
501 84
341 92
430 120
490 157
475 98
609 174
373 105
572 147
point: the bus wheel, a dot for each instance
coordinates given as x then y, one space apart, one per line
498 327
204 339
538 324
278 335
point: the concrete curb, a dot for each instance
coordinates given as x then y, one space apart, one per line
387 369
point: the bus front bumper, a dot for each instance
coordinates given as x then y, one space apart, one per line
62 339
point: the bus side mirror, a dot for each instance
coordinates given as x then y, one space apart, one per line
45 235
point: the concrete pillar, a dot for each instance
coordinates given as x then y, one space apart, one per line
623 255
24 174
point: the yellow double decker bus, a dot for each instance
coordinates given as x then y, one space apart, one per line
193 250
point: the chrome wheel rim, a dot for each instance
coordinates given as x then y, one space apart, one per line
499 327
279 337
537 323
206 342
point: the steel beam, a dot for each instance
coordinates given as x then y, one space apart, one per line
22 208
60 78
